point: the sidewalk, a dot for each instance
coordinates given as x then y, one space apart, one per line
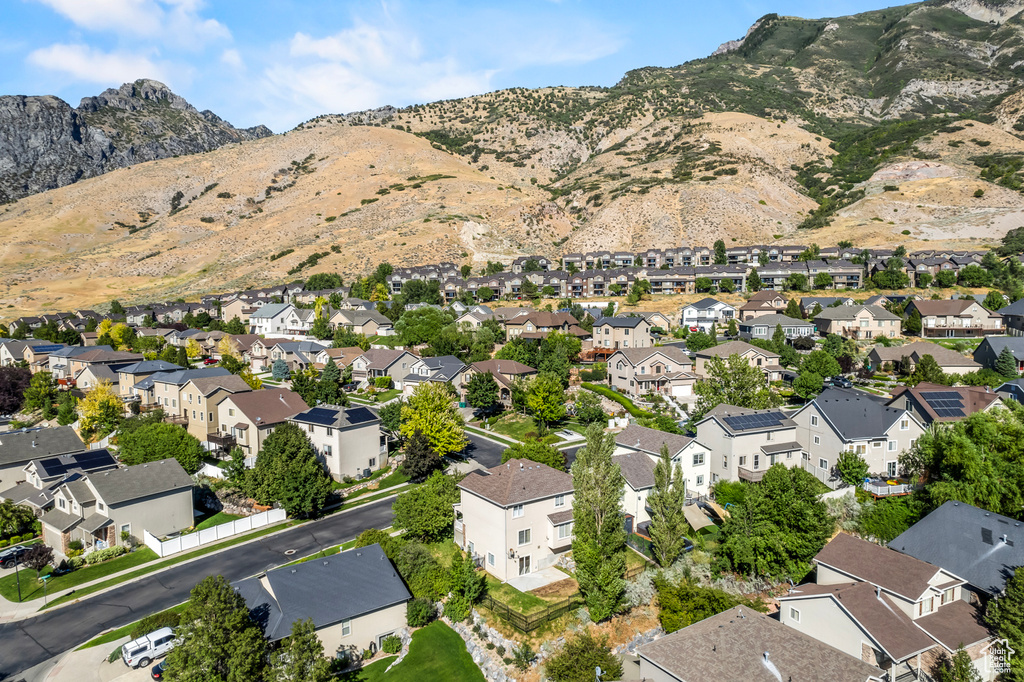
11 611
90 665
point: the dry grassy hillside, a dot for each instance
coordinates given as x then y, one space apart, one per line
360 195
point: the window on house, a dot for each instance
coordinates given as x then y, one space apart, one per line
490 559
100 506
471 548
725 461
743 460
794 615
524 537
700 480
904 424
947 595
823 464
892 446
559 500
814 420
698 458
60 503
925 606
817 440
757 461
346 628
231 413
564 531
517 511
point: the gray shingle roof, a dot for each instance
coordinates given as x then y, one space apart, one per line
149 366
327 591
24 446
181 377
270 310
733 646
141 480
967 541
650 440
724 350
637 468
706 304
856 414
59 520
620 322
849 312
998 343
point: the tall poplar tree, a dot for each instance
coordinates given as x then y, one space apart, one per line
668 525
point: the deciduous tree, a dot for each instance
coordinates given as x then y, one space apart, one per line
287 471
41 394
100 409
301 657
159 440
482 391
734 382
535 451
13 383
545 400
420 459
425 512
666 500
430 409
851 467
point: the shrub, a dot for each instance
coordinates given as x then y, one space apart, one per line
978 193
105 554
76 562
4 543
206 219
501 651
419 612
383 383
367 654
114 655
580 655
165 619
457 609
75 544
522 656
391 645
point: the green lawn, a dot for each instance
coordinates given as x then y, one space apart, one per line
436 653
78 594
389 481
33 589
117 634
340 485
520 601
215 520
521 428
490 434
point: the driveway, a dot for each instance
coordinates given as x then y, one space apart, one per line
35 641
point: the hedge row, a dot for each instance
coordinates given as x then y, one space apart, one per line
619 398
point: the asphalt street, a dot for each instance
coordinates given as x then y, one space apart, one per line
31 642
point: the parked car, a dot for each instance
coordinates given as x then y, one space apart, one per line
140 652
157 673
841 382
12 555
351 386
210 361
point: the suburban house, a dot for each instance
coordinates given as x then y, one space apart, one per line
354 598
1012 390
11 351
989 349
383 362
99 508
1013 317
271 319
639 371
762 303
348 441
237 309
43 476
129 375
693 457
638 473
742 644
982 547
848 420
937 403
948 360
746 443
18 448
763 327
958 318
200 408
657 319
622 332
700 316
808 304
896 612
163 389
765 360
542 323
516 517
858 322
505 372
251 417
342 357
57 363
366 322
445 369
298 355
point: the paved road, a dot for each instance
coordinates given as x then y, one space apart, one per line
30 642
486 452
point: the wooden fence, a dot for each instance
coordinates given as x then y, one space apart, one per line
530 622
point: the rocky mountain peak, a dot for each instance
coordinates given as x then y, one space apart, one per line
135 96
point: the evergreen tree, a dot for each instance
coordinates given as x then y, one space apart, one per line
1006 364
668 525
1005 615
754 279
913 323
959 668
67 413
778 338
181 359
793 310
720 257
279 370
329 389
306 385
219 640
287 471
420 458
599 536
733 329
928 370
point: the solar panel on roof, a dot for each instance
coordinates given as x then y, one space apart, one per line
941 395
321 416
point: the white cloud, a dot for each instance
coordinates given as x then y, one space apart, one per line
232 58
88 64
172 22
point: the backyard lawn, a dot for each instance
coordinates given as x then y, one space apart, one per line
520 427
436 653
33 589
523 602
217 519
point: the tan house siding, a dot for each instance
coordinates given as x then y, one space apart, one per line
364 630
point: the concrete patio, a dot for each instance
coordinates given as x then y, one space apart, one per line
537 579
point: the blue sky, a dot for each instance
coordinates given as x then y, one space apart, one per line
283 62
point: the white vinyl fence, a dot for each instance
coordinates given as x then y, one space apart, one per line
209 535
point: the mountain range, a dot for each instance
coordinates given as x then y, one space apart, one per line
900 125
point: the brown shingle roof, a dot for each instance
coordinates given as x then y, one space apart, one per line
651 440
898 573
944 356
518 481
946 307
955 624
635 356
231 382
269 405
975 399
891 628
503 367
637 468
382 358
733 646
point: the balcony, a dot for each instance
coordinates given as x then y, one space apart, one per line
222 440
178 419
878 487
751 475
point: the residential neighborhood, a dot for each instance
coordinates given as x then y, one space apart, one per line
435 433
